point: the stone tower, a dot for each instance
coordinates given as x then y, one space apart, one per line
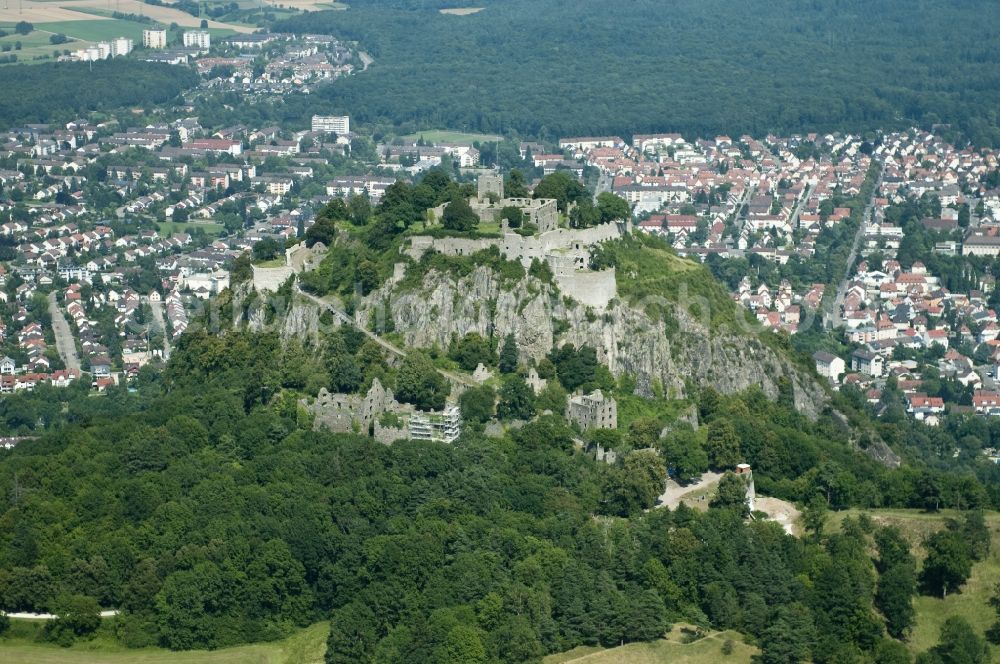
490 183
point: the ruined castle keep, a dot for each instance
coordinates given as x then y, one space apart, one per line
566 250
490 184
593 411
378 413
346 413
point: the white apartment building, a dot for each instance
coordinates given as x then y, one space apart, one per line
121 46
201 40
154 38
332 124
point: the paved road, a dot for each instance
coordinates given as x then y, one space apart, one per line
157 309
798 208
604 184
739 220
65 343
835 318
458 378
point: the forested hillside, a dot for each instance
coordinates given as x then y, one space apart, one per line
206 509
65 90
701 67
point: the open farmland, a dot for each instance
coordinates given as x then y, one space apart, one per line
40 12
94 30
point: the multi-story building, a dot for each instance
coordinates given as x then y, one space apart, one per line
442 427
121 46
154 38
200 39
332 124
593 411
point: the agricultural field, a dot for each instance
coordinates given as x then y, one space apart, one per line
306 646
88 21
306 5
94 30
57 11
35 46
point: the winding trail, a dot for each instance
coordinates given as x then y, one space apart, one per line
392 348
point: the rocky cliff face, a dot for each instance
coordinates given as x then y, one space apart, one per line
296 319
626 338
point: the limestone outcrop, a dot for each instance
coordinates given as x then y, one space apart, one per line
627 339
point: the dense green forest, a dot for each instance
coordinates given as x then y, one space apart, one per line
62 91
549 68
207 510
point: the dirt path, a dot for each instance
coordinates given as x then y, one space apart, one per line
65 343
24 615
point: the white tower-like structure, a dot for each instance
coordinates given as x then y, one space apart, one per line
744 471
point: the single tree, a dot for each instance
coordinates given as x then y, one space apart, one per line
958 644
722 445
508 354
517 401
459 215
477 404
894 598
420 384
731 494
612 208
948 563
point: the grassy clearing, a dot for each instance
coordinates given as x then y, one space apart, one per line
670 650
632 407
306 646
971 603
34 45
447 136
274 262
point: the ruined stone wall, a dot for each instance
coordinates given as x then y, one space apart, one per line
336 412
594 289
344 413
387 435
520 248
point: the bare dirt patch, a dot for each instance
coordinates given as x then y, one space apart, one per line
781 512
461 11
34 11
694 494
308 5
